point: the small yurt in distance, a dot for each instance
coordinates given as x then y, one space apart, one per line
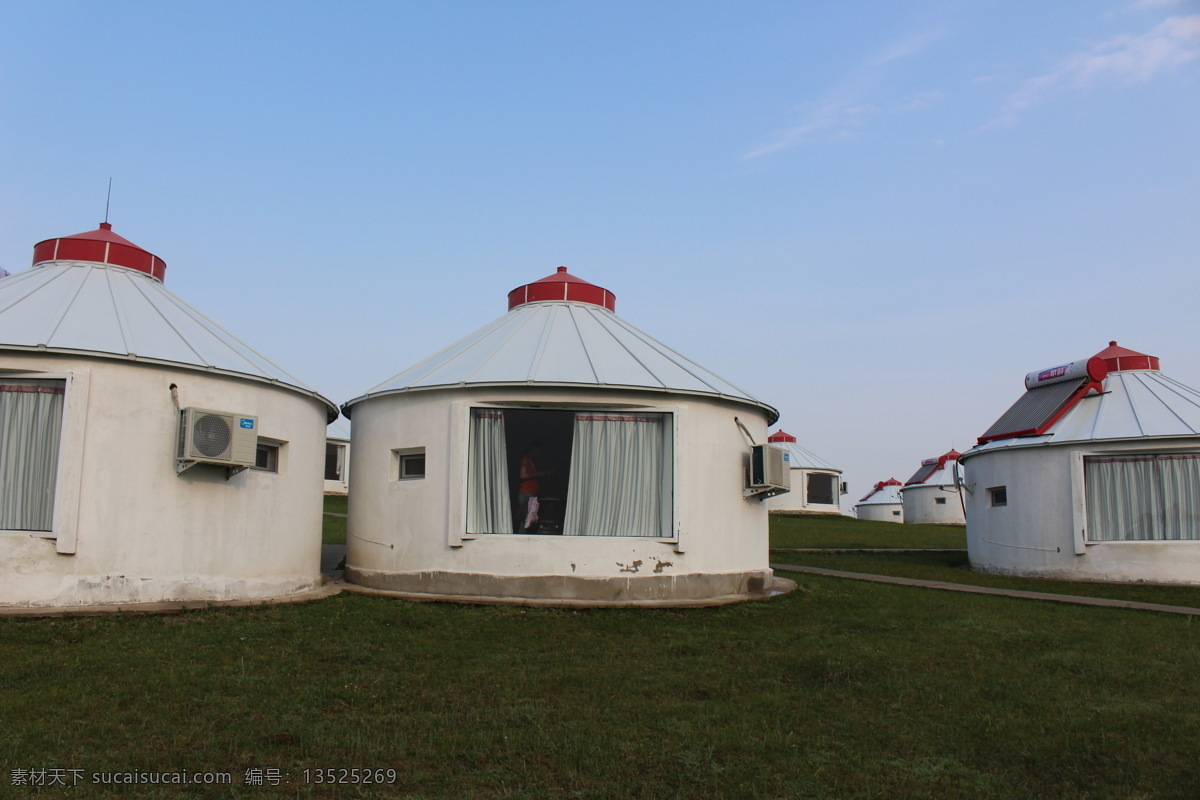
145 453
816 484
931 496
558 455
1094 473
883 503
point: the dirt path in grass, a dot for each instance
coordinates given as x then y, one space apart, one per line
962 587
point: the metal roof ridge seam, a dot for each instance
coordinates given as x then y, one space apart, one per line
66 308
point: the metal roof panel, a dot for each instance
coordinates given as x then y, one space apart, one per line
561 343
109 310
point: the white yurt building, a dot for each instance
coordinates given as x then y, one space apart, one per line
145 453
337 458
931 496
816 484
883 503
1094 473
558 455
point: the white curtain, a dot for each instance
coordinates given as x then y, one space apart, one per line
618 483
1143 498
488 503
30 424
1180 477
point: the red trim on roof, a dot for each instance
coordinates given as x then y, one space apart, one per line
781 436
1097 370
100 246
1119 358
562 286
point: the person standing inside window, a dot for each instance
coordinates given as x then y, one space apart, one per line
528 488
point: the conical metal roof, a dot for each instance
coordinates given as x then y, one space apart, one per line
102 309
562 342
1136 401
884 493
799 457
937 471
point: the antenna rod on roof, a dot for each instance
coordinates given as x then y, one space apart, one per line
108 200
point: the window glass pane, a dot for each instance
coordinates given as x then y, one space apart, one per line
412 466
30 423
335 455
1143 497
559 472
821 488
266 457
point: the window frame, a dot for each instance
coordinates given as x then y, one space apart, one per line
64 522
1080 493
457 534
834 485
1000 492
275 449
401 456
340 459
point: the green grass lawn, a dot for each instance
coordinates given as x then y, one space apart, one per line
831 530
841 689
333 528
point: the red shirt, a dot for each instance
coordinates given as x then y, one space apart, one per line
529 483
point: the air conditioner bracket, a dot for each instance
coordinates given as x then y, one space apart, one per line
763 492
183 464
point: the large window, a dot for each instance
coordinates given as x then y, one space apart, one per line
1143 497
821 489
30 425
574 473
335 461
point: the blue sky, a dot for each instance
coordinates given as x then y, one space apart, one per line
876 216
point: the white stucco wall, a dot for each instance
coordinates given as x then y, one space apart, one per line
414 529
797 498
1042 531
128 529
921 506
880 512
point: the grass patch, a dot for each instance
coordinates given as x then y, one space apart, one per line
835 531
955 568
333 529
840 690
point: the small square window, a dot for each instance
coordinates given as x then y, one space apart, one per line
895 513
998 495
412 466
941 501
410 463
266 457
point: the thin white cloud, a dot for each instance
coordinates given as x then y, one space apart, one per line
1158 3
845 109
1130 59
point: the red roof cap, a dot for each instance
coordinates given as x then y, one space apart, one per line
101 246
781 436
562 286
1119 358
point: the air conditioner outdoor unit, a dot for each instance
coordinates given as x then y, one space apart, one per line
770 471
216 437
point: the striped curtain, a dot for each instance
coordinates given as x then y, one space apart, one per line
30 425
1143 497
618 484
488 503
